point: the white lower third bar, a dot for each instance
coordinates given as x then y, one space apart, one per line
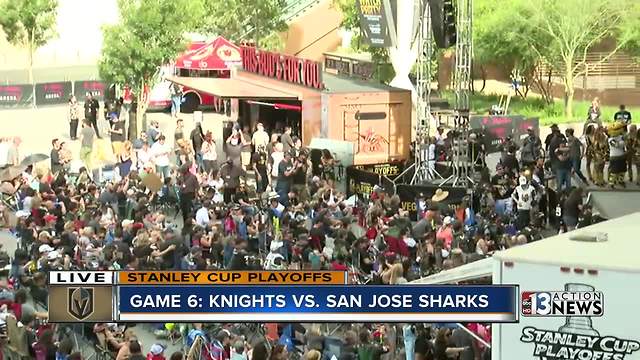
317 317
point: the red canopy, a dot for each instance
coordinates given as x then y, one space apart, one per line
219 54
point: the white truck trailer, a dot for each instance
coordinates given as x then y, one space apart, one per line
601 258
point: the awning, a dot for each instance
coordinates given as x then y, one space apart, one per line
231 88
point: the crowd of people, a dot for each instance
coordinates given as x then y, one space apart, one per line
258 201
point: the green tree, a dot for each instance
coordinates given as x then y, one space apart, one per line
28 23
565 32
260 21
150 34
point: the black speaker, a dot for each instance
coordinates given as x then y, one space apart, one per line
443 22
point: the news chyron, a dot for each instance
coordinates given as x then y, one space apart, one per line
562 303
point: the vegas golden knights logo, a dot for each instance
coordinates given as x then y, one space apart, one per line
80 302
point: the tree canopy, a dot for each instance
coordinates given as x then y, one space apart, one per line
245 20
29 23
522 34
150 34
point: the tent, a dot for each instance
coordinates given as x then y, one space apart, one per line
218 54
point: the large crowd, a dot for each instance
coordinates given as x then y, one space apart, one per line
177 202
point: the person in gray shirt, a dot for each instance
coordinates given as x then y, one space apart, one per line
87 136
286 139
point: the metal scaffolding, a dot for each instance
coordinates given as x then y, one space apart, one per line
422 172
461 163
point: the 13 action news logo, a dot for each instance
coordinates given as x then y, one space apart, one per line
562 303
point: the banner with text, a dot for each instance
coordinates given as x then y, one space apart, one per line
54 93
409 193
96 88
336 303
16 96
373 22
361 182
498 127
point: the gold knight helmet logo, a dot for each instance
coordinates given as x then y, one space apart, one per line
80 302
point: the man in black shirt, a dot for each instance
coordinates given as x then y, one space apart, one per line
623 115
91 107
299 177
188 191
259 161
117 135
283 185
56 164
503 185
231 172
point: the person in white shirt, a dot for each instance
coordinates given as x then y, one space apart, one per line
523 196
160 151
209 154
275 260
431 157
144 156
276 157
202 215
260 138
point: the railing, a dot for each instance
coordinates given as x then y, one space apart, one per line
619 71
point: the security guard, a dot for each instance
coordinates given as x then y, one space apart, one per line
617 154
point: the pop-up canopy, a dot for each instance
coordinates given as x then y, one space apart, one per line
218 54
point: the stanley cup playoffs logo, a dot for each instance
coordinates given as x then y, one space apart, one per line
577 339
80 302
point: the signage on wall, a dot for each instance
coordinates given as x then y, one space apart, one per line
53 93
282 67
497 127
96 88
16 95
373 22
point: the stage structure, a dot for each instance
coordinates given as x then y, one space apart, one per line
461 163
423 172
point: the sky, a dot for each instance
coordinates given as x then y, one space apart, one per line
79 28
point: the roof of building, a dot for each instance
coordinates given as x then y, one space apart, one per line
619 252
341 84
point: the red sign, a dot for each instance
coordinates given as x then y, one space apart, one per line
283 67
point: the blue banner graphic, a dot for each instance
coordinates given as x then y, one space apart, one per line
402 303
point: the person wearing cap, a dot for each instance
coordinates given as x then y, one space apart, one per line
156 352
502 186
551 137
445 232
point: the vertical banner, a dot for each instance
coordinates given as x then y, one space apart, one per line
16 96
409 193
374 23
96 88
54 93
